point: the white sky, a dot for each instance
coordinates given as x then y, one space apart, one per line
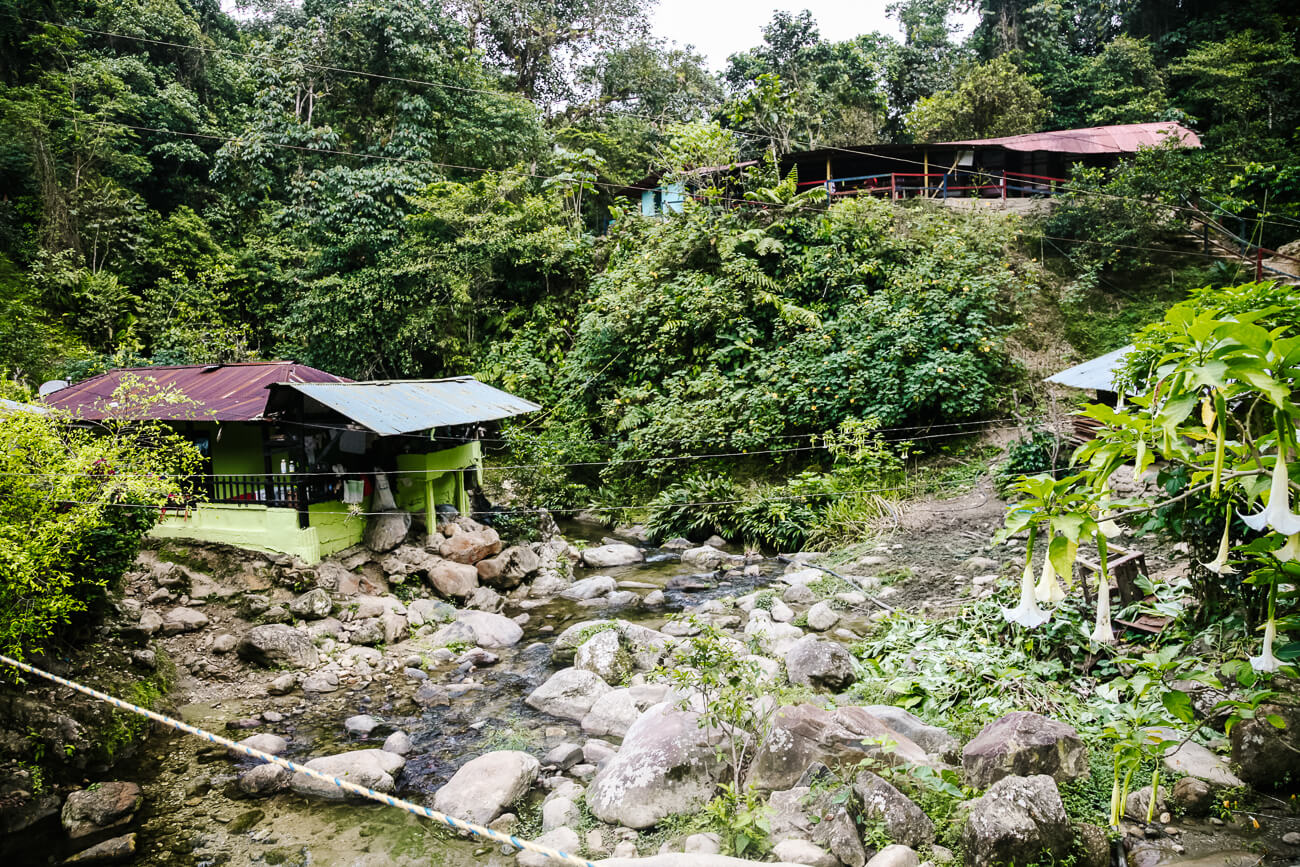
719 28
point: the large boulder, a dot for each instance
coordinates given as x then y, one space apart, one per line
704 557
1267 755
373 769
276 645
1023 744
485 786
934 740
491 630
804 734
471 546
104 805
614 712
456 580
902 819
568 694
1194 760
589 588
180 620
614 554
312 605
1015 822
385 531
508 569
775 638
802 814
815 662
667 764
604 656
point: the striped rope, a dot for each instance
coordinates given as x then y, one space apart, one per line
362 791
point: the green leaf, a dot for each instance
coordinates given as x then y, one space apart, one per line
1276 721
1179 705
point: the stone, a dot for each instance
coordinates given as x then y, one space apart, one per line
803 734
934 740
703 844
224 643
374 769
803 852
471 546
564 838
604 656
1194 760
595 751
654 599
895 855
484 786
116 849
704 557
386 531
491 630
821 617
180 620
814 662
263 742
904 821
676 543
1291 838
312 605
1195 796
486 599
1135 806
452 579
102 806
320 682
1015 821
815 815
799 594
361 725
508 569
568 694
667 765
564 756
263 780
1024 744
1093 845
1266 755
589 588
394 627
422 611
398 743
150 622
613 713
368 631
608 556
560 811
454 633
275 645
776 638
282 685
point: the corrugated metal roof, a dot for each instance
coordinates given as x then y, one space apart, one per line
405 406
1098 374
10 406
225 392
1117 139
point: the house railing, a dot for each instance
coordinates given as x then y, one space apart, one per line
942 185
278 491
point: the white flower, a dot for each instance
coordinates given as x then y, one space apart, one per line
1102 632
1049 590
1277 513
1266 661
1027 613
1220 565
1104 523
1291 550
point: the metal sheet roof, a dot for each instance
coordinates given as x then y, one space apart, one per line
405 406
224 392
1098 373
11 406
1117 139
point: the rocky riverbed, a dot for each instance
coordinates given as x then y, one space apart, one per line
517 687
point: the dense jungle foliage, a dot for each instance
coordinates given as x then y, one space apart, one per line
414 188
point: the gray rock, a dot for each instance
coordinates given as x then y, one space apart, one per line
1266 755
180 620
569 694
704 557
224 643
667 765
703 844
564 756
607 556
367 632
1135 806
613 713
803 852
264 742
398 743
483 787
320 682
799 594
452 579
822 617
508 569
1024 744
590 588
102 806
805 814
374 769
422 611
312 605
491 630
282 685
1194 796
361 725
275 645
386 531
263 780
454 633
903 820
654 599
558 812
676 543
603 655
486 599
803 734
934 740
116 849
471 546
150 622
895 855
1015 821
814 662
565 839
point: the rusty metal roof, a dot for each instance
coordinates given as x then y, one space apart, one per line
1116 139
1097 373
405 406
217 392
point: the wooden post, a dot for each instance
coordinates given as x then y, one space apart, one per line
1004 185
925 169
1259 264
893 186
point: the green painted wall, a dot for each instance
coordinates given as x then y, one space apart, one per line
424 481
247 526
335 529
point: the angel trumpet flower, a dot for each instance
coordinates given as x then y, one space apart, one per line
1102 631
1290 551
1266 661
1027 613
1277 513
1048 591
1220 565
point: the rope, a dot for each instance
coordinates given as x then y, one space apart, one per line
362 791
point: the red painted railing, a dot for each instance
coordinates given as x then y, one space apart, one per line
900 185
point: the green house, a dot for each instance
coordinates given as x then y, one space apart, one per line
297 460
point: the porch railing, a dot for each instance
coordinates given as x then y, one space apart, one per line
942 185
280 491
